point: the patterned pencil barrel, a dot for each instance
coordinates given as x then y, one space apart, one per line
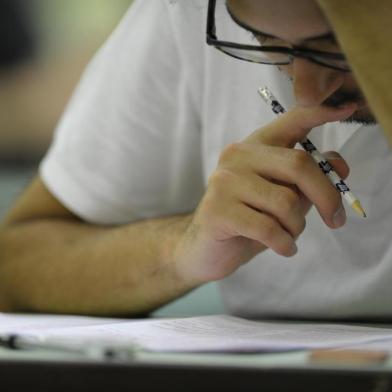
309 147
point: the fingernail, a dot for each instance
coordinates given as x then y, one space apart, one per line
339 219
330 156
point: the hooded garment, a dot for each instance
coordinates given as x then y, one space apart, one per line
364 31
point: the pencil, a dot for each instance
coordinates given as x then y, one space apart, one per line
324 165
348 356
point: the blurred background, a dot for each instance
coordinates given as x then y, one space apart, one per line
44 47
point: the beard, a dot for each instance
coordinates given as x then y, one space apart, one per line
362 116
365 118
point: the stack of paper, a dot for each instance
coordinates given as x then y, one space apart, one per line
195 334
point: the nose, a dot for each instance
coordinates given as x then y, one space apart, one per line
313 83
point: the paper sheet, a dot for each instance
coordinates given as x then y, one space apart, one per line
29 322
195 334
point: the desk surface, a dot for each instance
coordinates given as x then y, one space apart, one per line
147 371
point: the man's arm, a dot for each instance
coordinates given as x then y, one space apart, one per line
257 198
50 261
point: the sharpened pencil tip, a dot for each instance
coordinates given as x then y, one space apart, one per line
358 208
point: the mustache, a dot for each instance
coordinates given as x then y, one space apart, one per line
342 97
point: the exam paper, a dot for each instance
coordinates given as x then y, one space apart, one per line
378 345
204 334
33 322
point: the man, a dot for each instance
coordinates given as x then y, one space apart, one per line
168 172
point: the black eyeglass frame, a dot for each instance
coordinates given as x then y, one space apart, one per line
296 51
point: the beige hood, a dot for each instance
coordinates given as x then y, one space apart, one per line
364 30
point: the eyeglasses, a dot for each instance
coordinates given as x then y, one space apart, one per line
270 55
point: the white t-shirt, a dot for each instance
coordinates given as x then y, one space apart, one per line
144 131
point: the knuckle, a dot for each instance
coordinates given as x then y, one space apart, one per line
230 151
269 231
288 200
262 190
290 205
220 178
299 160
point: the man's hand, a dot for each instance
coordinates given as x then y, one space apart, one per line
258 197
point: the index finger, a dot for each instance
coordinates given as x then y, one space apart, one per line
293 126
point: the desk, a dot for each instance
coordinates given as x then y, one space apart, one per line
48 371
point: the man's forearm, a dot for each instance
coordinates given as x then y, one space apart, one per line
55 265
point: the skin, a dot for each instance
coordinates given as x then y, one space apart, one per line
329 87
257 198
